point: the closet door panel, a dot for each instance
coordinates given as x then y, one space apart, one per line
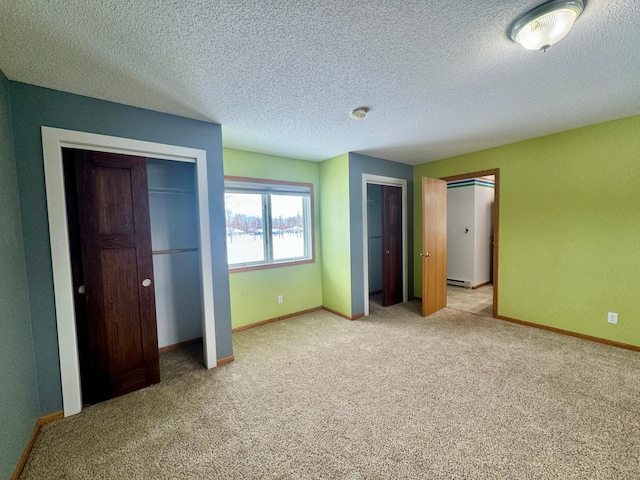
115 237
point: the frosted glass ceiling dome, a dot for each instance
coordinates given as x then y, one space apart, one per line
546 24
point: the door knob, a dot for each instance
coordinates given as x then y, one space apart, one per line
81 290
387 252
146 282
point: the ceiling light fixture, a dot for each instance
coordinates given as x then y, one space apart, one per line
359 113
546 24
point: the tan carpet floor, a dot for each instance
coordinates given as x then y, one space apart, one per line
395 395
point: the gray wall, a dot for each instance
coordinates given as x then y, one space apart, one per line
359 164
33 107
18 387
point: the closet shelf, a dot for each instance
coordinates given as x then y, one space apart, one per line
171 191
174 250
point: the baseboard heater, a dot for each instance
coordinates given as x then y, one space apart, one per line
459 283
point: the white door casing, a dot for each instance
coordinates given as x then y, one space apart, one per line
53 140
393 182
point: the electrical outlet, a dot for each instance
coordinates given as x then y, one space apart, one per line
280 299
612 317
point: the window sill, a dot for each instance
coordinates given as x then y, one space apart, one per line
265 266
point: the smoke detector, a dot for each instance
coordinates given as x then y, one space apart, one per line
359 113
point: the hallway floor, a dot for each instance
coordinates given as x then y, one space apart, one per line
478 301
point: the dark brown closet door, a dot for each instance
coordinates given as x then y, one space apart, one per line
391 245
117 270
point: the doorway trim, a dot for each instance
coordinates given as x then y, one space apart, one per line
391 182
53 140
496 222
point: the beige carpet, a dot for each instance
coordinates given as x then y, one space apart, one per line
454 395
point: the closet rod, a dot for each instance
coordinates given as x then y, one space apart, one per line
174 250
171 191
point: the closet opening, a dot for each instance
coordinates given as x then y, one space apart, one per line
54 140
384 217
133 232
176 256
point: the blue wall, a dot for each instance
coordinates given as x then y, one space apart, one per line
18 387
359 164
33 107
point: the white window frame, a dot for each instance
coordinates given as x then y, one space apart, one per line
267 188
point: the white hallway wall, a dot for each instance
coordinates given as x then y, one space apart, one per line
469 230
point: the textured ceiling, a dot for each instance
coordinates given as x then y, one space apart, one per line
441 77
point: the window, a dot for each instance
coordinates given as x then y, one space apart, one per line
268 223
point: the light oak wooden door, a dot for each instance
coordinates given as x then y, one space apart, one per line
114 243
434 245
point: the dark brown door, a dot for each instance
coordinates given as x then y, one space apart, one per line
114 264
391 245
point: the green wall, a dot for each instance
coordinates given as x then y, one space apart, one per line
569 227
334 234
18 386
254 293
